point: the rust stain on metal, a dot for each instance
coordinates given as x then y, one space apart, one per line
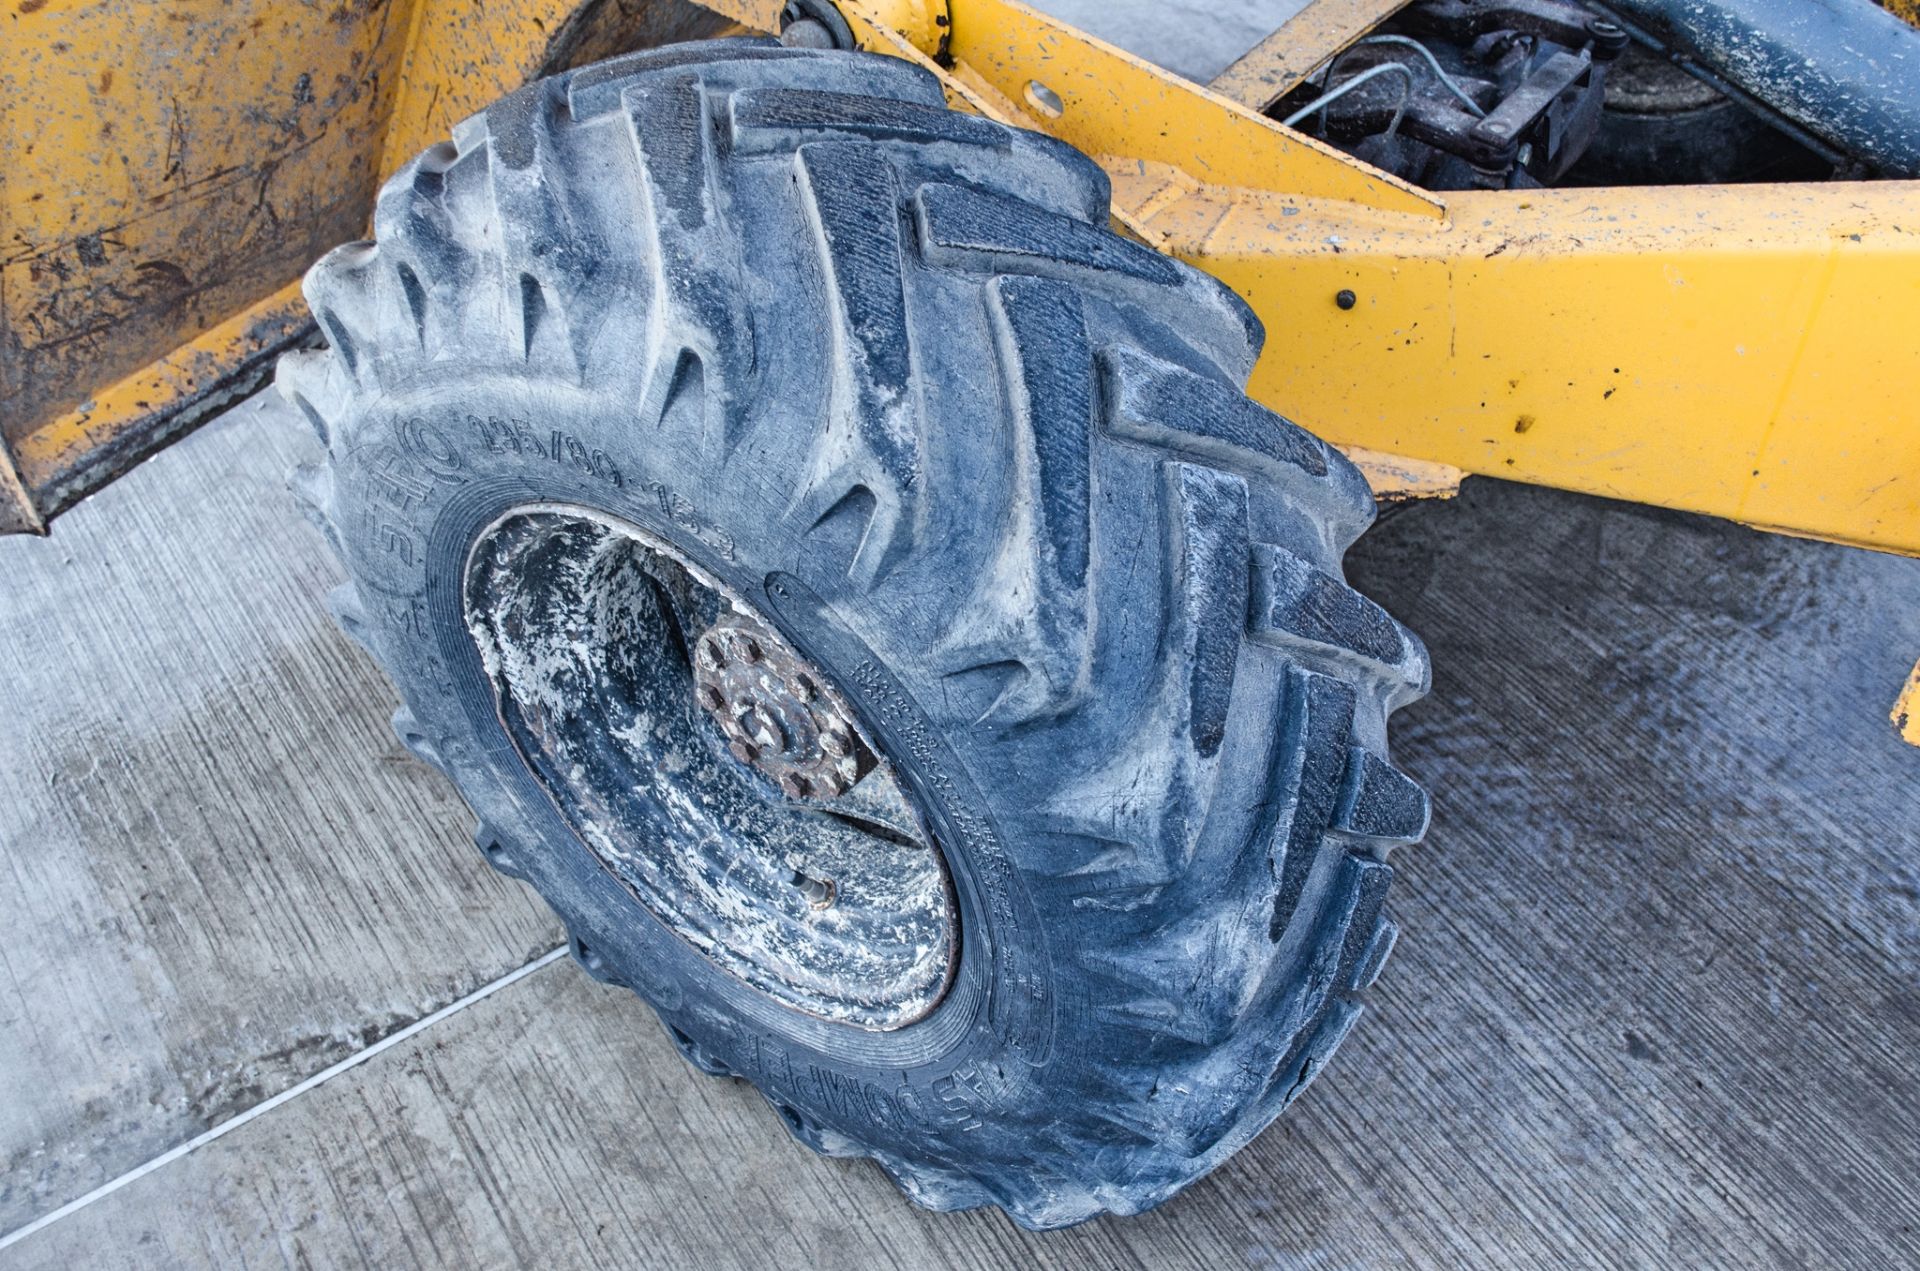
776 711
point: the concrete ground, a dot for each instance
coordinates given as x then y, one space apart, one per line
1654 1003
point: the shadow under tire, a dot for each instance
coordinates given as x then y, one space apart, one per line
729 353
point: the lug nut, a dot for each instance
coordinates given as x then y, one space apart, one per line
744 751
710 653
834 783
795 786
712 698
836 743
801 687
748 648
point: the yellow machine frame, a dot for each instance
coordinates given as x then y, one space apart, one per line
168 172
1743 351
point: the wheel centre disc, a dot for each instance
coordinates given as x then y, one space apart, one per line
711 768
769 704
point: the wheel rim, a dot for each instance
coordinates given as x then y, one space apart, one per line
710 768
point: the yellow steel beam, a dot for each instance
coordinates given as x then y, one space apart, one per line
1126 111
1740 351
1275 66
74 452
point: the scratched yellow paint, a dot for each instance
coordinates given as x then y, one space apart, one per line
55 454
1396 477
169 165
1906 709
166 166
1739 351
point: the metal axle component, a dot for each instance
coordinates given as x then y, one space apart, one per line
777 718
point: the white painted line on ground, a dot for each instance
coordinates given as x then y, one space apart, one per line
291 1092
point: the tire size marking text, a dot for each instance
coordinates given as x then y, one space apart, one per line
680 510
520 437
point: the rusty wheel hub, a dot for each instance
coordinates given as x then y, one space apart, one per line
778 717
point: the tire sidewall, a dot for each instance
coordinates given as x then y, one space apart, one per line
432 466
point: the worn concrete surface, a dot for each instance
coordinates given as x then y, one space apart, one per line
219 872
1655 1001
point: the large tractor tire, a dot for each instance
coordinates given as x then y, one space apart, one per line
849 583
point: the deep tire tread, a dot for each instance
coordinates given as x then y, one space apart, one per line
1203 844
